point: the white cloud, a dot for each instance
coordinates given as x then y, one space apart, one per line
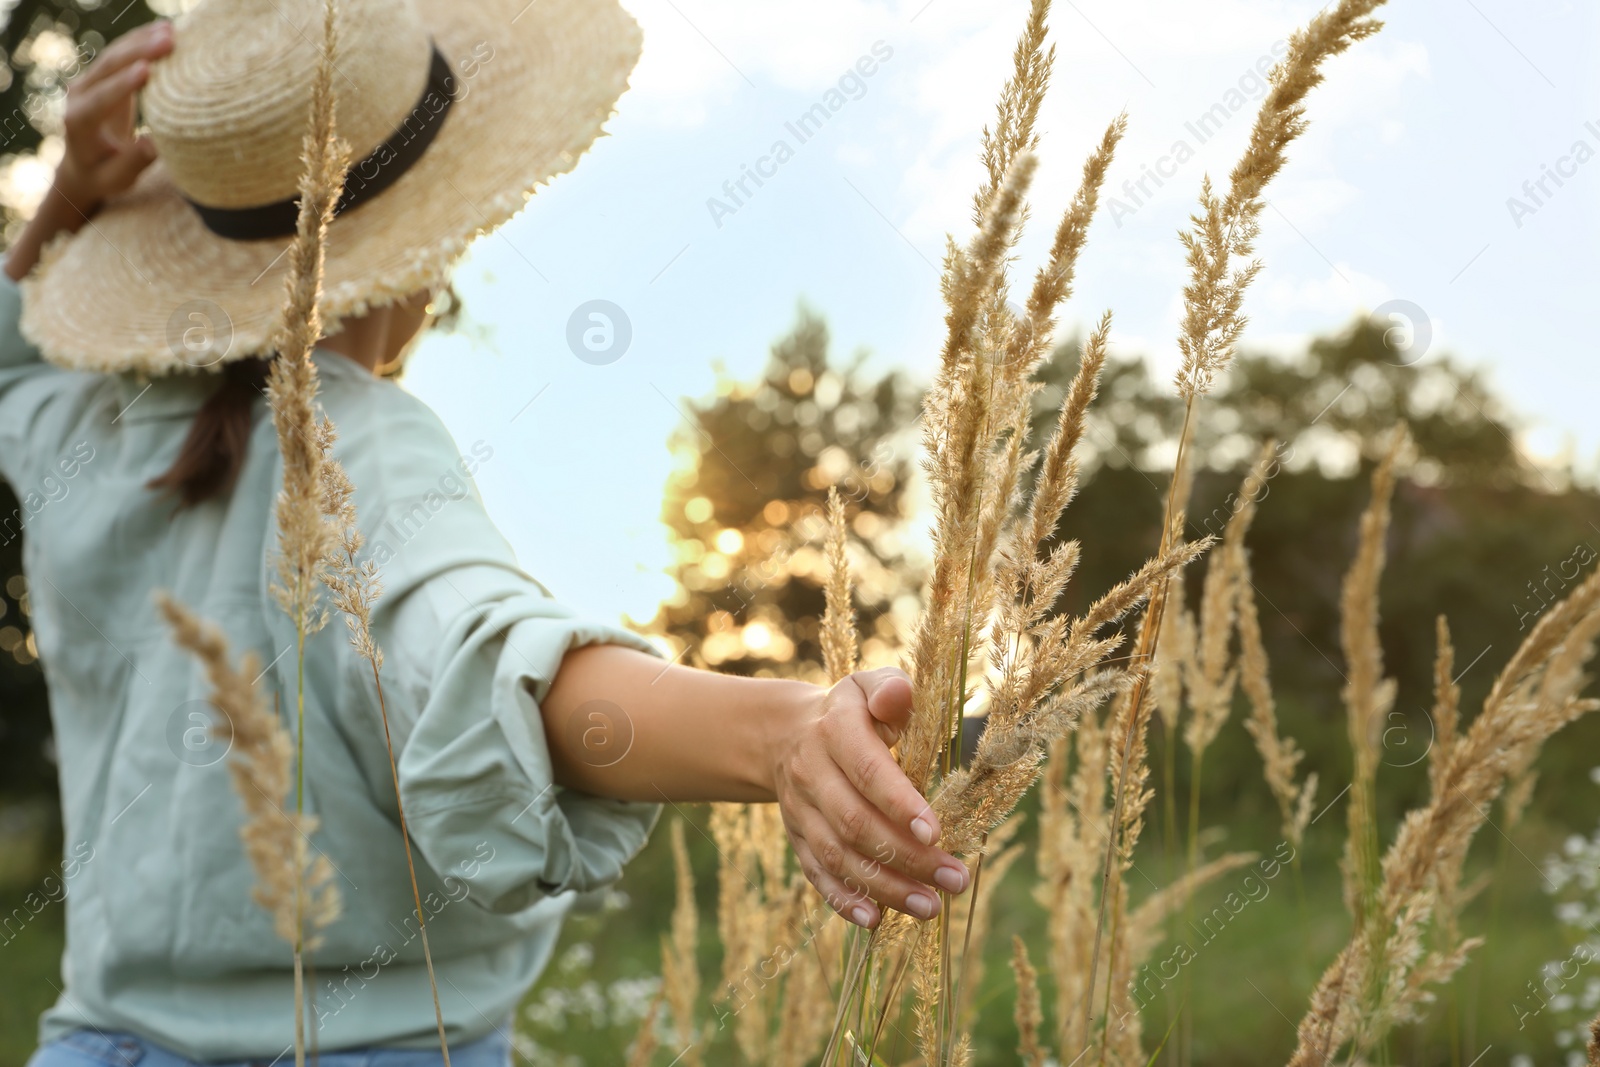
1326 297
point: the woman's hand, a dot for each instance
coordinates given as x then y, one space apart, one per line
861 830
619 724
103 155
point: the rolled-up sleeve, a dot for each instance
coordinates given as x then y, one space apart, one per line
475 772
471 646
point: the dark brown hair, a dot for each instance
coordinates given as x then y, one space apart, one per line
213 453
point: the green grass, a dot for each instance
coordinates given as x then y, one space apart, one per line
30 972
1248 985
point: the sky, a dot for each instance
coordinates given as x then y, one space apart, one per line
1447 181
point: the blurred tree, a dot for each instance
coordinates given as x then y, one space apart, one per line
46 43
745 510
25 768
1479 534
1325 407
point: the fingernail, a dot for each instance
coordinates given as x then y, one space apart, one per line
951 879
922 826
862 915
922 905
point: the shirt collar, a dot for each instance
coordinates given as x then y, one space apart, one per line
141 398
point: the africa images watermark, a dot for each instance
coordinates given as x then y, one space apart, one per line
421 117
52 489
1153 978
852 85
1537 192
338 990
1554 979
402 524
1540 593
53 890
28 114
1251 493
1250 86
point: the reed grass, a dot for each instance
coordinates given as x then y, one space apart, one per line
319 548
989 606
680 969
1219 246
1029 1012
1280 755
839 615
1210 671
1069 699
1368 695
988 611
645 1044
291 882
306 538
355 586
1406 938
293 886
1068 704
782 945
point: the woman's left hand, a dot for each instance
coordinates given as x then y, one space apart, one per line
103 155
861 830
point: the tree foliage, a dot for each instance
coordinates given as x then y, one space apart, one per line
746 517
46 43
1479 534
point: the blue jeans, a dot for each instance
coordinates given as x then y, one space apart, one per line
91 1048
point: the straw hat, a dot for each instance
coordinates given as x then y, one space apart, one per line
454 111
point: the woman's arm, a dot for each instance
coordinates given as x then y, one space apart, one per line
95 164
102 156
619 723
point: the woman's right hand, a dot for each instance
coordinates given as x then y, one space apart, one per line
103 155
863 834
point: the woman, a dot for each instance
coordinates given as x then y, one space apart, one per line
138 390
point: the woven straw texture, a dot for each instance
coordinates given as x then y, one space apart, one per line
145 286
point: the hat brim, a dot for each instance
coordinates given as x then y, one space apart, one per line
145 286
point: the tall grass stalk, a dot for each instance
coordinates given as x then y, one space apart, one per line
305 537
355 586
1068 706
996 578
318 538
1368 695
1407 939
1210 671
1220 245
988 617
1206 663
1174 649
781 940
680 972
1029 1013
1280 755
296 889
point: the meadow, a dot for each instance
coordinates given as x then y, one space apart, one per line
1198 683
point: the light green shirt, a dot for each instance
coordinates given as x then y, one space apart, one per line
163 939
